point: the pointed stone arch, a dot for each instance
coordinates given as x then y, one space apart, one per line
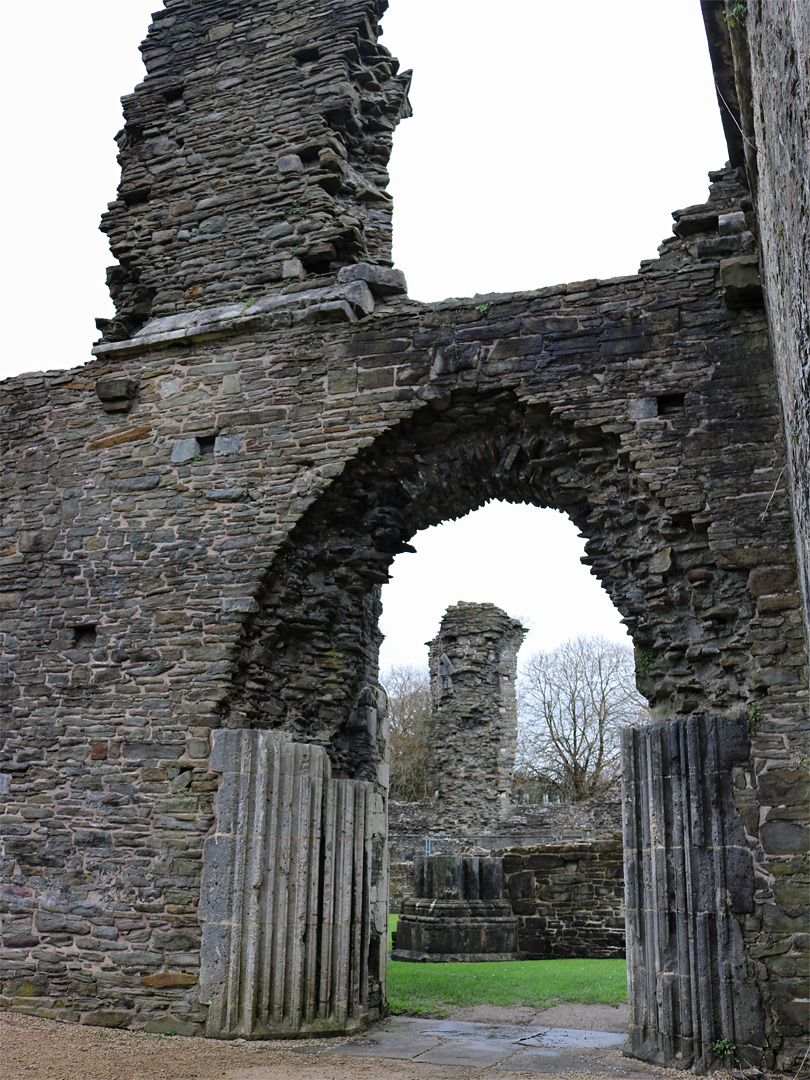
311 648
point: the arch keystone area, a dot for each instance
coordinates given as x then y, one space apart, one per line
197 524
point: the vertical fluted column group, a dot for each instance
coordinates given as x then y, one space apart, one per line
285 907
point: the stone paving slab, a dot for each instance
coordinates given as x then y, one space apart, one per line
474 1054
528 1048
540 1062
460 1029
578 1037
381 1048
401 1037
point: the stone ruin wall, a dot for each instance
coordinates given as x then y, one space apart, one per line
569 899
473 722
413 828
296 190
196 525
769 70
762 66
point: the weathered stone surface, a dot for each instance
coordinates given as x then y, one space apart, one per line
473 723
458 913
765 68
740 281
309 136
288 936
116 392
162 979
382 280
689 876
357 433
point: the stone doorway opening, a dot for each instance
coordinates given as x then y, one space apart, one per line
467 785
309 663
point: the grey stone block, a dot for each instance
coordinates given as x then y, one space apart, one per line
239 603
741 281
381 280
185 450
227 445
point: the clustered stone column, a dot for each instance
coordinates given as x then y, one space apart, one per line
689 882
473 664
458 912
286 918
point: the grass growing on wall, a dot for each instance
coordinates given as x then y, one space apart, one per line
436 989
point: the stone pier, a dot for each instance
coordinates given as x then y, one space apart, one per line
473 730
284 903
689 882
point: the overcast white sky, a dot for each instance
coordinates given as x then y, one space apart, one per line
550 142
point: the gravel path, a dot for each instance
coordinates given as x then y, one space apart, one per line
32 1048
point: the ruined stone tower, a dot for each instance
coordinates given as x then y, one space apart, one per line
473 728
195 528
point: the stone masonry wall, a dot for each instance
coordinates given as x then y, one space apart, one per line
473 721
212 556
569 899
295 191
761 60
195 528
772 60
415 828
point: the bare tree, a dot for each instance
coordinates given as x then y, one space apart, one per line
408 690
572 703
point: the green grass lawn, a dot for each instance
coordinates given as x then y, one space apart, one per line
436 989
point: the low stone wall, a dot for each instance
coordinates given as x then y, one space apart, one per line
416 829
569 899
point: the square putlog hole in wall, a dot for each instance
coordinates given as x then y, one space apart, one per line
206 445
84 637
671 404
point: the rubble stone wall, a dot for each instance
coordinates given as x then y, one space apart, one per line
772 47
473 716
569 899
195 526
415 829
212 557
761 58
253 156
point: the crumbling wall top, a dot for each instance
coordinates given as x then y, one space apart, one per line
473 663
290 189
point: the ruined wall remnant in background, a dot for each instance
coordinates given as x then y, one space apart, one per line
197 524
569 899
473 725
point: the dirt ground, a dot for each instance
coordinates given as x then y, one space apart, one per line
32 1048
